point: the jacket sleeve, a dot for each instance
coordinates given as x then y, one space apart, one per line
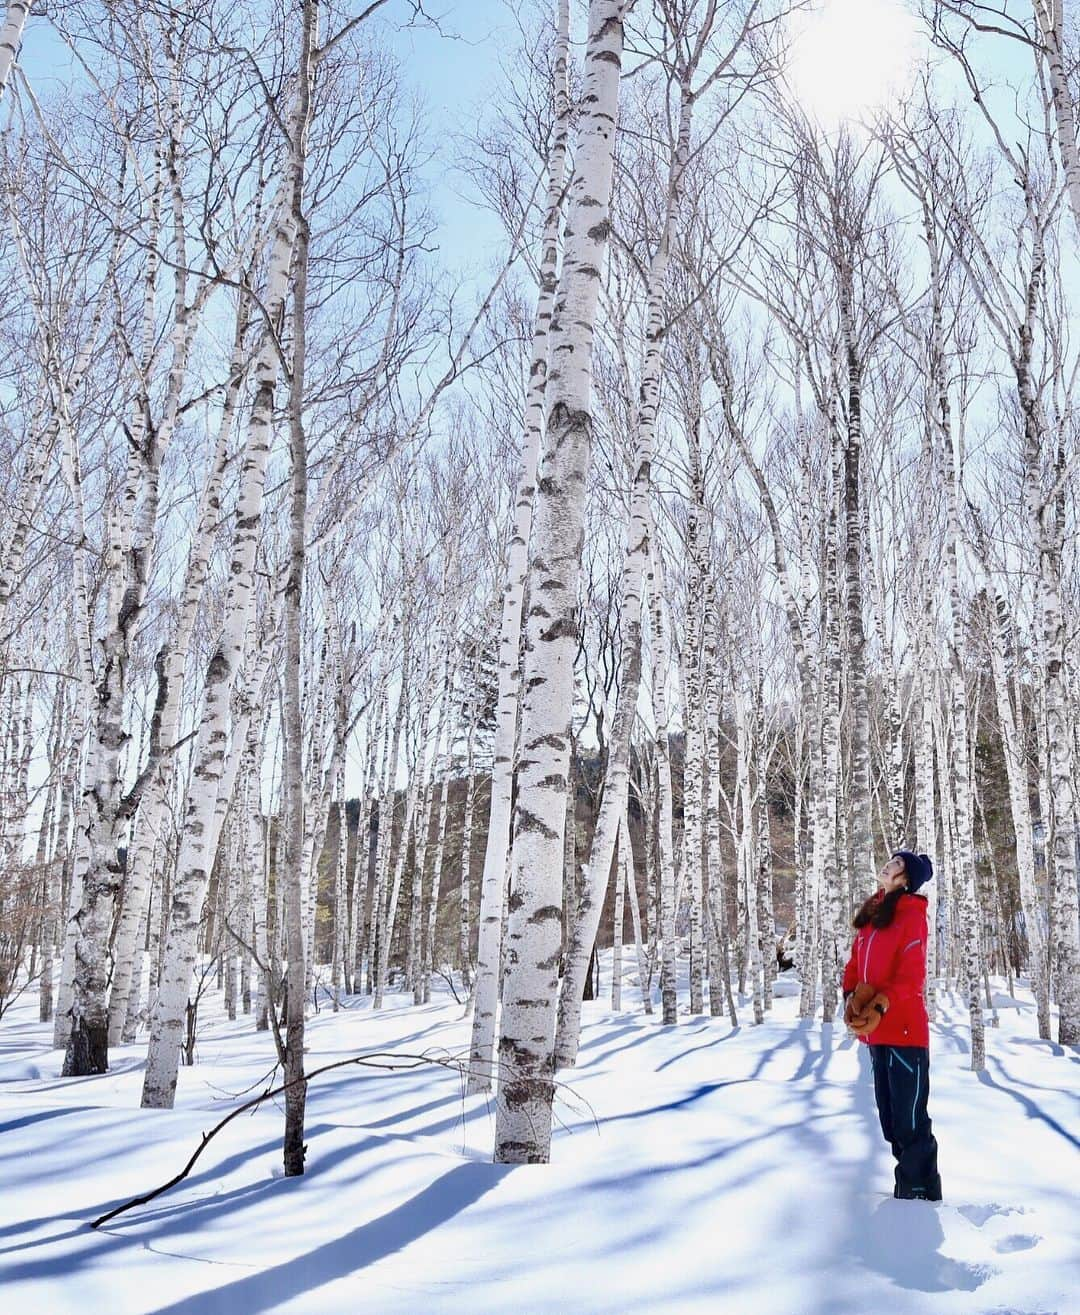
851 973
908 975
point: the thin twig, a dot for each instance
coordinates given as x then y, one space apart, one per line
375 1060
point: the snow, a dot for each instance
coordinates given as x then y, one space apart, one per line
697 1168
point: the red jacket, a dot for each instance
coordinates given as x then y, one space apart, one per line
893 960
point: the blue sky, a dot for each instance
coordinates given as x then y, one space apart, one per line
453 70
450 69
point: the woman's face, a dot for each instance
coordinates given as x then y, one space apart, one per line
892 875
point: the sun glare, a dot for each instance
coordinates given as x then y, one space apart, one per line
849 59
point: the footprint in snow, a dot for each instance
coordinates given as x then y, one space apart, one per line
920 1266
1017 1242
979 1214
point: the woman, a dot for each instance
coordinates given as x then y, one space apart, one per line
884 1007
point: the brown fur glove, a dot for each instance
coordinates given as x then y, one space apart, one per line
858 1002
864 1023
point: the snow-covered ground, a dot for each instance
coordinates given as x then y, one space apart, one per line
695 1169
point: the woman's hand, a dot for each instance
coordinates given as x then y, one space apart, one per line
867 1019
858 1002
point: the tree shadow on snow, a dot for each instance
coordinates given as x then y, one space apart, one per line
399 1117
1030 1108
172 1218
953 1034
1044 1043
643 1034
814 1062
25 1120
601 1036
435 1205
674 1059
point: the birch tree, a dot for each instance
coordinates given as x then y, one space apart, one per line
15 16
489 949
690 32
199 838
526 1037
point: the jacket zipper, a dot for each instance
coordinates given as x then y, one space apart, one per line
866 956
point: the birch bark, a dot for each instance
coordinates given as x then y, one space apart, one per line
153 805
826 883
858 813
961 759
1050 15
720 993
429 786
748 853
635 556
428 958
526 1040
11 38
465 878
1046 518
619 918
696 585
665 827
486 988
189 889
338 967
766 928
297 855
385 828
925 822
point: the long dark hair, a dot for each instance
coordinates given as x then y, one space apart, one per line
879 910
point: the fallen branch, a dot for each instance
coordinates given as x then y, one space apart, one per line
379 1059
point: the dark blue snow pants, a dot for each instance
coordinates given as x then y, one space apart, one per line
901 1086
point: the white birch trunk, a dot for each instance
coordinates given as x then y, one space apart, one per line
1046 520
11 37
526 1040
386 929
196 858
665 828
766 929
748 864
619 917
635 918
858 812
826 875
1050 15
925 822
258 856
337 964
429 779
486 988
154 803
961 759
385 834
428 958
465 877
720 993
635 557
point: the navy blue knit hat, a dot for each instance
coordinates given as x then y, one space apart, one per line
917 868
